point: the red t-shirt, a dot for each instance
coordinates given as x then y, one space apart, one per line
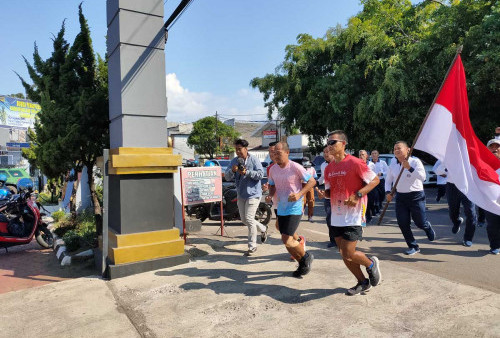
344 179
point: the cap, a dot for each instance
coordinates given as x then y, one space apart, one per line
490 142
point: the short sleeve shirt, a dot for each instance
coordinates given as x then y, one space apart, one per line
288 180
344 179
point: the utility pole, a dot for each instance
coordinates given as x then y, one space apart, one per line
216 122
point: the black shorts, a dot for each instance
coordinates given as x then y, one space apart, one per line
288 224
276 212
349 233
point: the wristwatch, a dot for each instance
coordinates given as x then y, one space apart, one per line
358 194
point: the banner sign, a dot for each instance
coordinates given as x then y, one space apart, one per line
201 185
271 134
17 113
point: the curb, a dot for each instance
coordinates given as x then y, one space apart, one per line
59 248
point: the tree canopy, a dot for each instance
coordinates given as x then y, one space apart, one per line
376 77
71 86
210 136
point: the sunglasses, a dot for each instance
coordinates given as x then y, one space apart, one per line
332 142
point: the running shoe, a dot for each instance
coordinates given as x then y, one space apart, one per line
412 251
250 252
494 251
431 234
467 243
374 273
304 265
263 235
456 227
359 288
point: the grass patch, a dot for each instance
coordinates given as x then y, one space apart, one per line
45 198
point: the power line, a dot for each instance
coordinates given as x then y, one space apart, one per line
177 13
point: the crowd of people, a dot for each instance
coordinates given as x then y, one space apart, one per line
354 189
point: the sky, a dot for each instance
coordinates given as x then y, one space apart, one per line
213 51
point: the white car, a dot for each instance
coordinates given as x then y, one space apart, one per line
431 176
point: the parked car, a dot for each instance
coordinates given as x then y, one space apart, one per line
223 164
317 162
431 177
13 176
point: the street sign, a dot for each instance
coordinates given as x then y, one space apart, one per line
18 144
201 185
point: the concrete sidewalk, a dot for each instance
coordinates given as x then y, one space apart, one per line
227 295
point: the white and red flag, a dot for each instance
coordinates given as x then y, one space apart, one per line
448 135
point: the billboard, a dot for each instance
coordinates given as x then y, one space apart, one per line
201 185
17 113
269 134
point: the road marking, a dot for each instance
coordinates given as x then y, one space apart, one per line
317 232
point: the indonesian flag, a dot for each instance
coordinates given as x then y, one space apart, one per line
448 136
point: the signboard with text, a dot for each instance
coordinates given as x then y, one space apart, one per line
201 185
17 113
269 134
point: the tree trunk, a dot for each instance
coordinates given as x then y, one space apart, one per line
95 199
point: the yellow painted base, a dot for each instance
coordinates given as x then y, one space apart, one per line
143 246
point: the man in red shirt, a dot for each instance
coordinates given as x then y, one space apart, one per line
347 181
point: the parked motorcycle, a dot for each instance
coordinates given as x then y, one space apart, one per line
230 208
21 219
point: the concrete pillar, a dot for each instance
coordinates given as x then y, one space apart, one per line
141 193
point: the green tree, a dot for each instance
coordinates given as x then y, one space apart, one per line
376 77
208 134
72 127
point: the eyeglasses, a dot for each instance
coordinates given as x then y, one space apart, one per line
332 142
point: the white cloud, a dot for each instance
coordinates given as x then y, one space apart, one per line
187 106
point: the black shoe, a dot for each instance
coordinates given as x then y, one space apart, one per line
431 234
359 288
374 273
263 235
456 227
304 265
250 252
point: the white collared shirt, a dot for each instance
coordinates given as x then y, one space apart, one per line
411 180
440 169
381 168
321 180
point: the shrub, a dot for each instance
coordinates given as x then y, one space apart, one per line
72 240
45 198
58 215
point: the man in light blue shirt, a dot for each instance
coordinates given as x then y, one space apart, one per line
247 171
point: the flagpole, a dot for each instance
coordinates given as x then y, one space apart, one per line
393 190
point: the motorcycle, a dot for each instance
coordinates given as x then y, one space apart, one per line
21 219
230 208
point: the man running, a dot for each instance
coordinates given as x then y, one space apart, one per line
410 195
285 180
347 181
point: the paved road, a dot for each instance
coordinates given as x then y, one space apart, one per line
445 257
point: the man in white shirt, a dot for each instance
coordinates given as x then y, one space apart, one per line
381 169
442 174
410 196
321 194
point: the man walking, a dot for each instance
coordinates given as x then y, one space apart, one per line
247 171
371 210
381 169
321 194
309 198
347 182
285 180
410 196
493 220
